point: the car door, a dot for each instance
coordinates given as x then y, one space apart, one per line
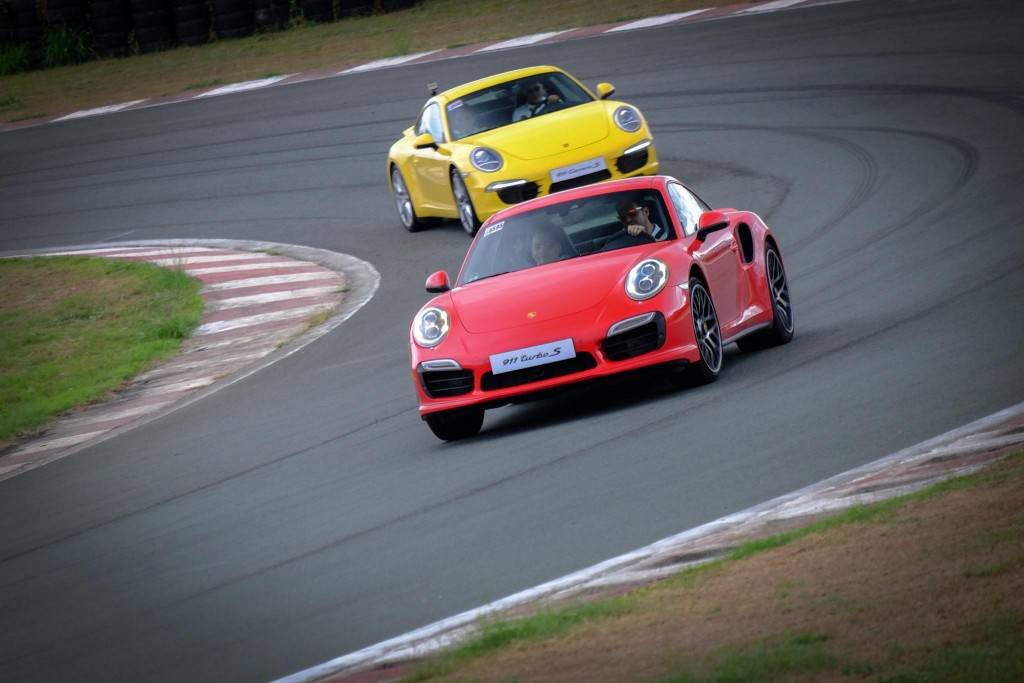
430 164
717 256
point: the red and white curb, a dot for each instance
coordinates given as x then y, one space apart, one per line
961 451
549 37
258 297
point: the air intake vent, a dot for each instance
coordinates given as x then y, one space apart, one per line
635 342
442 383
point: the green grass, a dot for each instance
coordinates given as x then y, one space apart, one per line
14 58
766 661
500 634
9 102
762 662
73 328
996 656
431 24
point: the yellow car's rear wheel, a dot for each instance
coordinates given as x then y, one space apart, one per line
464 204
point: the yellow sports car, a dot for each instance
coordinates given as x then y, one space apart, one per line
482 146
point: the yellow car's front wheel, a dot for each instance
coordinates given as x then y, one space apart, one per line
464 204
403 202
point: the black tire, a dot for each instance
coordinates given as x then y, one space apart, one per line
708 335
781 330
190 12
317 10
464 204
453 425
109 8
403 203
231 25
151 21
110 24
230 6
194 32
147 6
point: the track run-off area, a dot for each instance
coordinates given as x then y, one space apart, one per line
305 511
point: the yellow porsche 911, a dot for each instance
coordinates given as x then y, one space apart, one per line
482 146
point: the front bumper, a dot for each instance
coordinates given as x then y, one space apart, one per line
594 354
536 175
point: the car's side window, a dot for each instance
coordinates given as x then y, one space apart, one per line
687 206
430 122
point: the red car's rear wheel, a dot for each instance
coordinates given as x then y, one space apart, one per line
781 330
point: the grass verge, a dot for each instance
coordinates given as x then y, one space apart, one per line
918 589
433 24
73 328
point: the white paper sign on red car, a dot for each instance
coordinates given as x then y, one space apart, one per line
531 356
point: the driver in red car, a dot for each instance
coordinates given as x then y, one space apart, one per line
637 219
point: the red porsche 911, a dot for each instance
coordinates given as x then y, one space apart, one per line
590 282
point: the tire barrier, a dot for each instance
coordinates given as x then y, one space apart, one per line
233 18
111 22
355 8
317 10
6 23
191 21
271 15
69 13
156 25
151 21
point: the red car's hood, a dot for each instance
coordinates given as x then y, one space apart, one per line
544 292
551 134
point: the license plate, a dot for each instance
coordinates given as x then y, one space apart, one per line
576 170
531 356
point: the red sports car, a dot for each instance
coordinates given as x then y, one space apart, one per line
594 281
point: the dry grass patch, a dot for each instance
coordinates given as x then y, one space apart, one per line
920 590
433 24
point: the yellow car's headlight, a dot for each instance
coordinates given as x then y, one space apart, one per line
486 160
628 119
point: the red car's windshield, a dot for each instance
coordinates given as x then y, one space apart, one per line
568 230
508 102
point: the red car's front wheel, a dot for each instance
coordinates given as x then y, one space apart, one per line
452 425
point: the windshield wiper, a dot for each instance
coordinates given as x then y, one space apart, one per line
484 277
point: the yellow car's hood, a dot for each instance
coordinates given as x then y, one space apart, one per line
550 134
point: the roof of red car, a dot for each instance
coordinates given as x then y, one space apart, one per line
607 187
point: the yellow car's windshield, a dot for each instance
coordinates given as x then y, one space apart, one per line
513 101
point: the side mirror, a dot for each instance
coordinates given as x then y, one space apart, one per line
605 90
711 221
424 140
438 282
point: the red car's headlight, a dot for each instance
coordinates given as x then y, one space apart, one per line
646 279
430 327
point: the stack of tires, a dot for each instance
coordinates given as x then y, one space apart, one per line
111 22
354 8
151 20
191 21
6 23
317 10
271 15
65 13
233 18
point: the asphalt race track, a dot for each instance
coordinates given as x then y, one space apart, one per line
306 512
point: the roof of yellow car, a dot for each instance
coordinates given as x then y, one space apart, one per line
466 88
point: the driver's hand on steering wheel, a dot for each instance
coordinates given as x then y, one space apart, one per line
635 229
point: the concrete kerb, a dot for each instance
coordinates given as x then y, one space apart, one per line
361 280
960 451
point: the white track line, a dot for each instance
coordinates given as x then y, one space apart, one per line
771 6
244 86
523 41
277 265
189 260
251 320
109 109
385 63
271 297
650 22
62 442
135 251
327 276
